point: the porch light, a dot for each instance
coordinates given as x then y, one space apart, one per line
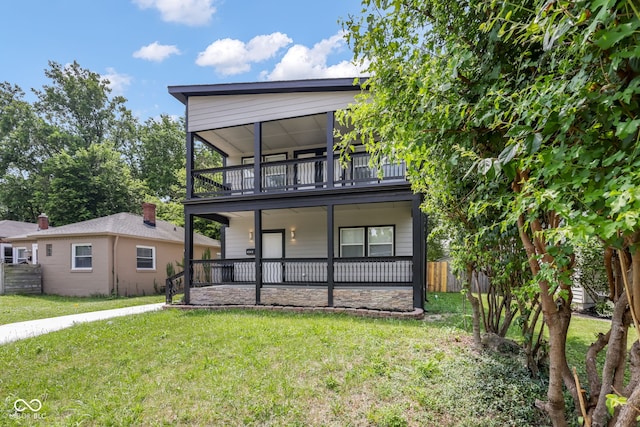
293 234
250 236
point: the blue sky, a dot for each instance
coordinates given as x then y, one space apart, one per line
143 46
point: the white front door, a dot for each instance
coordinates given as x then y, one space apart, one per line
34 253
272 248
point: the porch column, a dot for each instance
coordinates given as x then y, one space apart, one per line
330 168
257 159
330 245
188 255
418 252
189 166
257 238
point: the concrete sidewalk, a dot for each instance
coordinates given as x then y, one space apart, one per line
31 328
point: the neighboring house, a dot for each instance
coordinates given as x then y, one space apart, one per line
122 254
299 227
26 252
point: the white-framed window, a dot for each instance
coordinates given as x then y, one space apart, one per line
380 241
145 257
81 256
20 255
352 242
369 241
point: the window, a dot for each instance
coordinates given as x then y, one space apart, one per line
380 241
145 257
371 241
49 249
21 255
81 256
352 242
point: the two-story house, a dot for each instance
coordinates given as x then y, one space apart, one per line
300 228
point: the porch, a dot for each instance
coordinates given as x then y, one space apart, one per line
351 255
384 283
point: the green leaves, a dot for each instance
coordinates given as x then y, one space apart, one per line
606 38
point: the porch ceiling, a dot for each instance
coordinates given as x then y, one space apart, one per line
277 136
341 208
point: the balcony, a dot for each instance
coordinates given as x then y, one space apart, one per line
292 175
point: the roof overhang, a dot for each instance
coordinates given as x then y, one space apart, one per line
182 93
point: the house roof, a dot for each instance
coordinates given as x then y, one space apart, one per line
122 224
181 93
10 228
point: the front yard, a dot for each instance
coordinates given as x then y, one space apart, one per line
18 308
269 368
262 368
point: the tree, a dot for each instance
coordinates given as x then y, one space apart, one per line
541 96
91 183
78 103
162 152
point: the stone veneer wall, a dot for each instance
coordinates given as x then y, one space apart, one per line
298 297
223 295
378 299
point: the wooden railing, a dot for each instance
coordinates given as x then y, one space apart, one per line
291 175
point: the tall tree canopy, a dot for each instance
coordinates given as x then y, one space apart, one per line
539 98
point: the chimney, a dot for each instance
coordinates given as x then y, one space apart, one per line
43 221
149 214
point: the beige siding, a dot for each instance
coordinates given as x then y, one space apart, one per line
59 278
105 276
211 112
311 229
133 281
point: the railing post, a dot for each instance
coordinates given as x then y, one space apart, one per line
167 291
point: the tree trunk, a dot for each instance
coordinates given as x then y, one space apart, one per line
475 309
608 266
615 351
557 321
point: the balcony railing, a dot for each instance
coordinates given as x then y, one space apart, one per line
294 174
378 271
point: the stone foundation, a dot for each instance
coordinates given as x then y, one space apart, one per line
387 299
223 295
378 299
298 297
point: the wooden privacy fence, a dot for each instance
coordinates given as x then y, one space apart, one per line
441 279
20 279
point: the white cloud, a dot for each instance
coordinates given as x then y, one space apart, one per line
230 56
117 82
301 62
189 12
156 52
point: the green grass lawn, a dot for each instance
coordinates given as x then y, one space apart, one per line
263 368
18 308
235 367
